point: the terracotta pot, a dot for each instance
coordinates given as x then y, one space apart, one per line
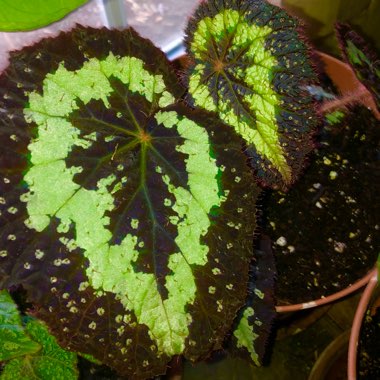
345 80
357 323
332 363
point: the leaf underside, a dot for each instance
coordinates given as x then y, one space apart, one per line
328 222
120 214
362 58
251 66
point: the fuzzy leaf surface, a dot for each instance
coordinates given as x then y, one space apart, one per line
14 341
250 65
121 212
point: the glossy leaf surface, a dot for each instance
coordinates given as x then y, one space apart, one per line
121 213
250 65
20 15
13 338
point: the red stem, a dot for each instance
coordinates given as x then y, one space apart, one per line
361 95
322 301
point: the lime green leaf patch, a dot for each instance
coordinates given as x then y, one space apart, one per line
19 15
121 213
14 341
251 67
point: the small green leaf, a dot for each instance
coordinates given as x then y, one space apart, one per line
18 15
52 363
13 339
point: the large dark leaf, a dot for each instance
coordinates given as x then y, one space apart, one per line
129 223
251 67
325 229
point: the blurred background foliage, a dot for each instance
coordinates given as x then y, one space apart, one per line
20 15
320 16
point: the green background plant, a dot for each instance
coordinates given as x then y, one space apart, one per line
321 15
28 349
19 15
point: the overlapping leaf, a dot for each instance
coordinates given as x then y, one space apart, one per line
362 58
252 328
251 67
329 220
120 212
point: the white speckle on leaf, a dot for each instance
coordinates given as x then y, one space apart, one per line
281 241
92 325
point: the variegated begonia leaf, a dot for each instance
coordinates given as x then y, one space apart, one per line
253 325
51 362
129 223
362 58
14 341
251 66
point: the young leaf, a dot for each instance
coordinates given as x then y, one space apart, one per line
19 15
52 362
122 215
251 66
14 341
362 58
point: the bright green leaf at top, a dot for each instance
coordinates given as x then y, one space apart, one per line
51 363
19 15
14 341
